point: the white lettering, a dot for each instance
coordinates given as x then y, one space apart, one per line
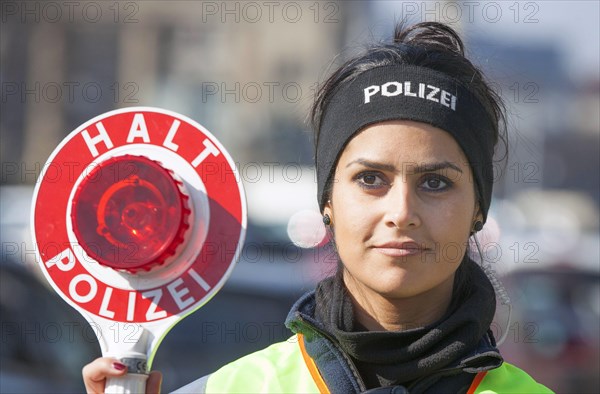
168 143
131 306
179 294
101 137
59 260
422 90
407 91
199 279
445 98
210 148
104 306
83 298
138 129
433 92
151 313
370 91
385 91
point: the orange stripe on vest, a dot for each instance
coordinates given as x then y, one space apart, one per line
310 364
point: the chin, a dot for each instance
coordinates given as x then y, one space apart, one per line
399 292
393 285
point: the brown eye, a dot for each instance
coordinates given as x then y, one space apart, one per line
435 183
369 180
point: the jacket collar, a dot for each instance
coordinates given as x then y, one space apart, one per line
341 375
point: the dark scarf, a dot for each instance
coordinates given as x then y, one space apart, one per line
386 358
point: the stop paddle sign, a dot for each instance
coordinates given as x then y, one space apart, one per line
138 218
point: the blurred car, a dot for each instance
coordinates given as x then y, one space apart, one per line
555 326
44 341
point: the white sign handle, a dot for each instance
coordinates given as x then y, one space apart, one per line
131 383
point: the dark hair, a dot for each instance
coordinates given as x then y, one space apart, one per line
426 44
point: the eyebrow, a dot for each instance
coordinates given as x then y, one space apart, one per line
416 168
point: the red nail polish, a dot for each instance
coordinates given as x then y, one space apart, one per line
119 366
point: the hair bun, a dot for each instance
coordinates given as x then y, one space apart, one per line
433 35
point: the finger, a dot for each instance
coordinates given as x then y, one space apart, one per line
96 372
154 382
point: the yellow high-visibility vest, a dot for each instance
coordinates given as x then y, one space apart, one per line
285 367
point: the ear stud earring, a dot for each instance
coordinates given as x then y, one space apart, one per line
477 226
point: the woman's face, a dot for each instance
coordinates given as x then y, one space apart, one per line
402 207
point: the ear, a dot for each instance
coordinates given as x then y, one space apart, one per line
477 217
477 214
327 208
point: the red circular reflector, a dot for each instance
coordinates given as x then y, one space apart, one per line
129 213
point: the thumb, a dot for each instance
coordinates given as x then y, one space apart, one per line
96 372
154 382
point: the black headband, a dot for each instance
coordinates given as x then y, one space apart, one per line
407 92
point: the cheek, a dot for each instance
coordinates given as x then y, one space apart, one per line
451 222
353 221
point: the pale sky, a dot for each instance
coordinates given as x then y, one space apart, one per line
573 25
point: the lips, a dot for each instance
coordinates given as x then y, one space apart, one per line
400 249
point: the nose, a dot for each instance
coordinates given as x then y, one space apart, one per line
401 206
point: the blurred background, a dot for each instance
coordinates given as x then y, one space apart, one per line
247 71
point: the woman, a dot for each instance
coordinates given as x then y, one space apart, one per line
405 136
